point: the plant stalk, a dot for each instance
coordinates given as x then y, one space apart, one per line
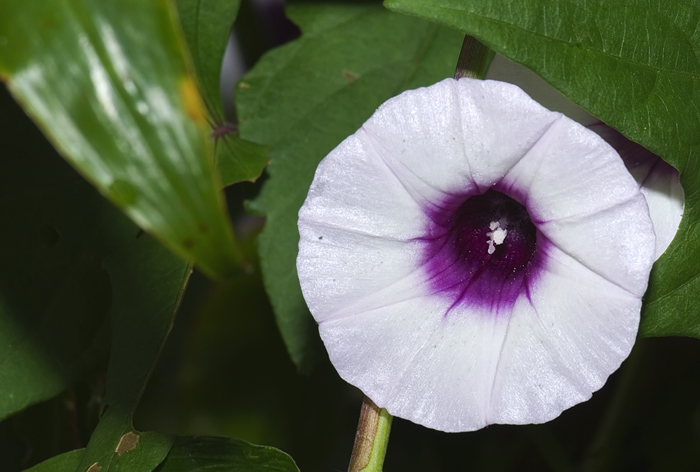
371 439
474 59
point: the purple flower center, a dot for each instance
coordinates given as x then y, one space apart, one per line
483 250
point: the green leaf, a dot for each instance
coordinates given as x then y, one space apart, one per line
66 462
54 294
239 160
214 454
108 82
147 283
634 65
194 453
115 446
302 99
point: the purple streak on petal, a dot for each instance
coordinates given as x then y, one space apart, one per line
456 254
641 163
658 181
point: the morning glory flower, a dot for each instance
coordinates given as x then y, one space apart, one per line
658 181
472 258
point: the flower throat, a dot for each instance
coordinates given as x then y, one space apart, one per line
485 250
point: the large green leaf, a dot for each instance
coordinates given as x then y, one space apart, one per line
54 293
108 82
303 99
633 64
207 26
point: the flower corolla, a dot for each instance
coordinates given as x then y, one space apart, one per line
473 258
658 181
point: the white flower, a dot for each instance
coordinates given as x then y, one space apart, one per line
473 258
658 181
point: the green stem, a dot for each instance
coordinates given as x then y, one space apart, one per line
474 59
371 439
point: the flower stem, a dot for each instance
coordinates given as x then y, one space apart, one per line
474 59
371 439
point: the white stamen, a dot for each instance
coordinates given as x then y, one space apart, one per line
496 236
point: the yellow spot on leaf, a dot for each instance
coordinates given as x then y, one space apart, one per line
349 76
192 100
127 443
244 85
95 468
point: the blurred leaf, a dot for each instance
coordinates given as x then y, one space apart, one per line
147 283
635 66
191 453
207 26
66 462
108 83
54 294
303 99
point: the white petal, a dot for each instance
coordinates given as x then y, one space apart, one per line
371 349
441 139
447 386
418 135
658 181
571 172
419 364
613 242
666 199
500 125
563 346
353 189
343 272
